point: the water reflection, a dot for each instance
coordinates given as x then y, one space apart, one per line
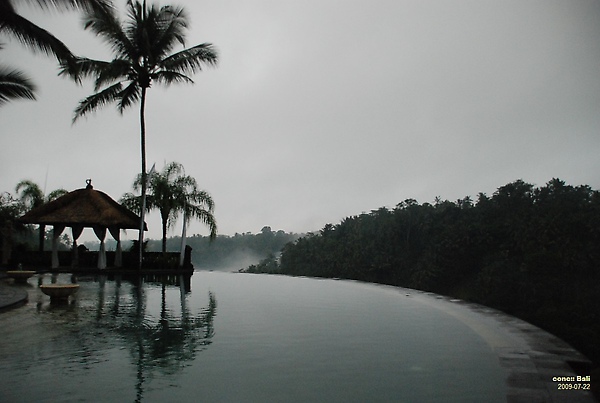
136 315
279 339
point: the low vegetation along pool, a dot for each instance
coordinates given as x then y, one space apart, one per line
242 337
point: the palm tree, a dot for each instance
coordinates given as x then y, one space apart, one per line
142 47
14 85
172 192
32 196
10 210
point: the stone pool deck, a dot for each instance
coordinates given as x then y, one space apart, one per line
531 357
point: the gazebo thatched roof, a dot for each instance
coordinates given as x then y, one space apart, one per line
84 207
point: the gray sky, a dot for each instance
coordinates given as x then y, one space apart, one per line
321 109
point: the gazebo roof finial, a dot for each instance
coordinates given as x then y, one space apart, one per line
88 184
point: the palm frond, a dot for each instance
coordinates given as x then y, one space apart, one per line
201 197
97 100
134 202
33 36
129 96
110 72
191 59
55 194
137 29
30 193
131 202
172 169
171 77
171 23
82 67
137 182
204 217
87 5
15 85
106 24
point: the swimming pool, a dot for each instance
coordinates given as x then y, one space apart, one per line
243 337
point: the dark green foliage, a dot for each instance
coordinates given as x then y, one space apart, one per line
267 265
532 252
17 239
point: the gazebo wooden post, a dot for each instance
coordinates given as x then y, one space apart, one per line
76 231
101 234
74 255
116 234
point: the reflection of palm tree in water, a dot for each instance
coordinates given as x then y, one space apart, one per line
164 344
174 339
168 344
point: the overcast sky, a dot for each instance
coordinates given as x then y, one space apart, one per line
322 109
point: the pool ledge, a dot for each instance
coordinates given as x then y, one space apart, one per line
11 296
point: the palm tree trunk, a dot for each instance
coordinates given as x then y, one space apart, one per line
41 237
143 146
164 234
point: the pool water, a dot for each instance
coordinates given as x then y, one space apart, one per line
241 338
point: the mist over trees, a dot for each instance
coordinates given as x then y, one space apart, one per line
224 252
238 251
532 252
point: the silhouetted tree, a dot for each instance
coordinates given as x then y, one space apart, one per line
172 192
10 210
31 195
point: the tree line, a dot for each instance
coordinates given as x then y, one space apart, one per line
532 252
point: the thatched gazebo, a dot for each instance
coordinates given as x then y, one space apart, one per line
85 208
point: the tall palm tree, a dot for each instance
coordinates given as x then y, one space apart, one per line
31 195
14 85
172 192
142 48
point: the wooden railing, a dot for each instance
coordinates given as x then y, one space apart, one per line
89 259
